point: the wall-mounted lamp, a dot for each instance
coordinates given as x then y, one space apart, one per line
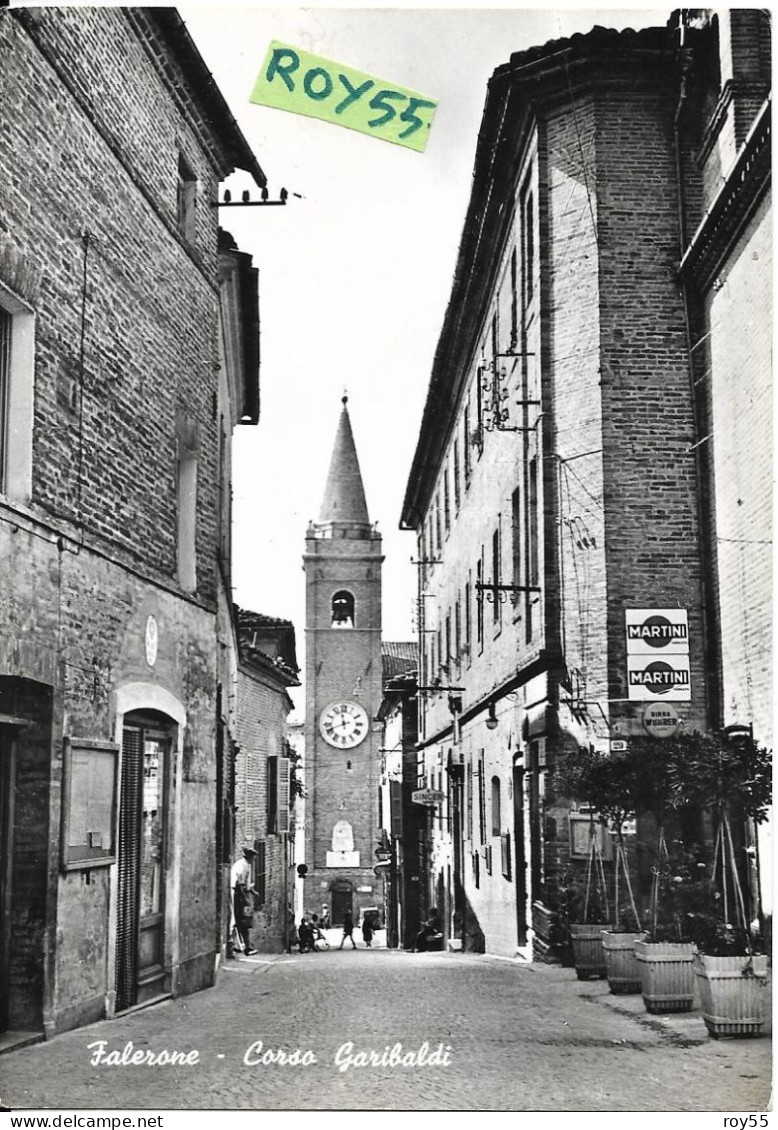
491 721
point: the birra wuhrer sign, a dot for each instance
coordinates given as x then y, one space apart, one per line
658 654
295 80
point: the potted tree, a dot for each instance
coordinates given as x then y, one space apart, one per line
665 954
730 775
582 912
613 790
605 783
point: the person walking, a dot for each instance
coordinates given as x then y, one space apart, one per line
431 933
241 881
291 929
367 930
348 930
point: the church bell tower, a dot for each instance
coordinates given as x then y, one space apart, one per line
342 565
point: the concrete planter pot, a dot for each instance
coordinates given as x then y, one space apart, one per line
733 994
667 975
587 950
620 962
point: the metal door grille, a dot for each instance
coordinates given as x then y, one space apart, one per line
128 869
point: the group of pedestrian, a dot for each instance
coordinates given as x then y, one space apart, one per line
309 935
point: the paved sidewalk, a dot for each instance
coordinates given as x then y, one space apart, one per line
506 1036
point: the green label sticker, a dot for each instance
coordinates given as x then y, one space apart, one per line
294 80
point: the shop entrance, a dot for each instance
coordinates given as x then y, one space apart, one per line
141 863
519 855
7 752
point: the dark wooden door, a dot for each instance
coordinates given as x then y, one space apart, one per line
140 928
520 856
7 751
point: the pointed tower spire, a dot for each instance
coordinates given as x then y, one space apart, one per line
344 504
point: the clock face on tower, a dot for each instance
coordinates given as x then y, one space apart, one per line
343 724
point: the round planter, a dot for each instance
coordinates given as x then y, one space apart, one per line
587 950
733 993
622 968
667 975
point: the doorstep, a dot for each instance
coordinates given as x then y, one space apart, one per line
10 1041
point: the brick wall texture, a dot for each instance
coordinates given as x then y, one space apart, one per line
126 315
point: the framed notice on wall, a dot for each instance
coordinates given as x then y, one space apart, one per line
89 804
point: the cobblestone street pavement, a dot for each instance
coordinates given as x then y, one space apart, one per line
519 1038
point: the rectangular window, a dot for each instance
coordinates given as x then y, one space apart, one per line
6 324
479 598
469 814
468 440
260 874
284 793
532 532
440 648
468 613
17 395
187 520
448 640
528 246
186 196
272 795
496 579
516 543
495 405
438 535
457 630
446 501
514 301
456 475
481 799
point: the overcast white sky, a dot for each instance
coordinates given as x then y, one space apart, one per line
354 277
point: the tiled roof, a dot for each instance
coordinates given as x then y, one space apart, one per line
398 658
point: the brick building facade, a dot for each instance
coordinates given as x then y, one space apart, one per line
112 481
264 778
558 493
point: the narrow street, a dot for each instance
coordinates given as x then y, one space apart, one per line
517 1038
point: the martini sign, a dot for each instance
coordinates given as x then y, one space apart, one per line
658 655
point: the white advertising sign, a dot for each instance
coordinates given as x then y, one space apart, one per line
653 678
657 631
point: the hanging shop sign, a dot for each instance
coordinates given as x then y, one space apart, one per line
427 796
660 720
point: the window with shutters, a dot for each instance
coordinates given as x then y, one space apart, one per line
17 393
516 543
272 795
496 814
481 800
284 795
479 601
260 873
186 199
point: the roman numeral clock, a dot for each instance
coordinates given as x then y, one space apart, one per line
343 725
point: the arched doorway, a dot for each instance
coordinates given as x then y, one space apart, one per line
342 898
148 741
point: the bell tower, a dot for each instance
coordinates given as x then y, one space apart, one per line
342 565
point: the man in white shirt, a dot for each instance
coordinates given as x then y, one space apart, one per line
241 881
